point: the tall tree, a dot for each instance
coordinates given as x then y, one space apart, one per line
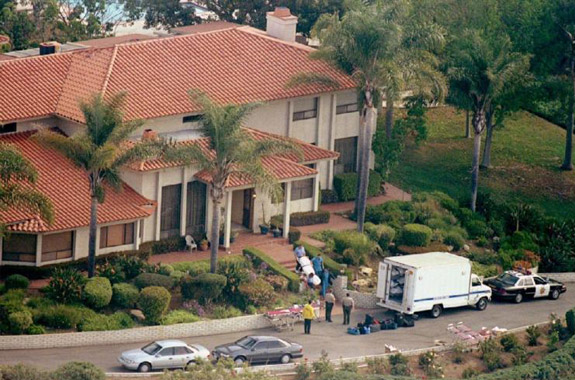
17 179
482 69
235 153
101 150
360 43
160 13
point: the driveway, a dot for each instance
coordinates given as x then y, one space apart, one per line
330 337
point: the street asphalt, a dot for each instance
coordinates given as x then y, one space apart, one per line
330 337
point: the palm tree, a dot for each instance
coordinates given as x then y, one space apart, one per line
101 150
483 70
234 153
16 176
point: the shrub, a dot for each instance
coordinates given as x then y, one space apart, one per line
125 295
236 269
21 372
358 245
520 355
145 280
98 292
223 312
484 270
257 257
154 302
165 269
533 334
172 244
376 365
482 241
345 185
78 371
193 268
279 283
469 373
398 363
258 293
553 341
428 363
179 316
415 235
509 342
329 196
2 289
20 321
11 302
381 234
476 228
490 354
177 275
62 316
101 322
298 219
454 239
111 271
393 213
66 285
205 287
293 235
570 319
131 266
36 330
16 281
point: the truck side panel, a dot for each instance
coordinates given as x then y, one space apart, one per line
447 285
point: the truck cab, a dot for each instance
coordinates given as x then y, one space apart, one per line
479 293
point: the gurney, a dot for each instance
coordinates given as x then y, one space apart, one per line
307 268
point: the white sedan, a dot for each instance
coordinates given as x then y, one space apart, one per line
163 354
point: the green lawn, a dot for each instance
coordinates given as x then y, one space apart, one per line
526 156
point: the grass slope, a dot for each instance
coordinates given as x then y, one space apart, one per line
526 156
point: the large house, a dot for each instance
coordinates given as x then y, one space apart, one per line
232 64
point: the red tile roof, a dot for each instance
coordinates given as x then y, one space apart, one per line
113 41
67 187
235 65
204 27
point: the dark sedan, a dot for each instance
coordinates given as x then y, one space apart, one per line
259 349
517 286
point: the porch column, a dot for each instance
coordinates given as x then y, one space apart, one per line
38 250
290 118
287 209
316 192
183 203
159 206
228 219
137 226
331 140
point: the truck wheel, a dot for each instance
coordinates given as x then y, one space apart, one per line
436 311
481 304
554 294
518 298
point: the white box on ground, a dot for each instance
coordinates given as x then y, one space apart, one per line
429 282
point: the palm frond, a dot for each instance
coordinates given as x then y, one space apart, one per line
26 199
15 167
76 148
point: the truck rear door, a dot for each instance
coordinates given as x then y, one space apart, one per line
382 276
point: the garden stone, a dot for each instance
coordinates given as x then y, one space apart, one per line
466 248
450 248
366 271
360 282
136 313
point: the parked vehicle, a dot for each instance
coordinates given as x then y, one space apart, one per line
163 354
259 349
517 286
429 282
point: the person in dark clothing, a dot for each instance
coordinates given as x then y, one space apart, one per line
329 302
347 304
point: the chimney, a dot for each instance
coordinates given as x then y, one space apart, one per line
149 134
281 24
49 48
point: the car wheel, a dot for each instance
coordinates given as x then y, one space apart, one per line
190 363
554 294
436 311
239 361
481 304
518 298
144 367
285 359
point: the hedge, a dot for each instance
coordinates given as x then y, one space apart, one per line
345 185
333 266
415 235
125 295
205 287
173 244
294 235
298 219
328 196
154 279
97 292
193 268
259 257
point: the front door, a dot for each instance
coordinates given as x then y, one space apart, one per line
542 288
248 207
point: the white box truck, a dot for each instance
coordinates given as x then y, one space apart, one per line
429 282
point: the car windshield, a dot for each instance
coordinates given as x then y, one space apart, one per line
246 342
508 279
152 348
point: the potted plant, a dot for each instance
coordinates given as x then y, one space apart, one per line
233 236
204 245
277 232
265 225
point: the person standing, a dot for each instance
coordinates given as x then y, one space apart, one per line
299 252
324 282
308 315
329 302
317 263
347 304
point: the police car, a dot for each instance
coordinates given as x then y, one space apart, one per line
516 286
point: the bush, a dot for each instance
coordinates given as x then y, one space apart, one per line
428 363
193 268
357 245
145 280
223 312
483 270
20 321
177 275
293 235
415 235
490 354
570 318
173 244
258 293
97 292
129 266
101 322
62 316
111 271
509 342
165 269
236 269
381 234
328 196
66 285
533 334
258 257
455 240
298 219
21 372
179 316
205 287
154 302
345 185
398 363
469 373
78 371
2 289
476 228
36 330
278 282
393 213
16 281
125 295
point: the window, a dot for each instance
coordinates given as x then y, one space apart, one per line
7 128
346 108
182 350
19 247
539 281
275 344
305 109
261 346
192 118
119 234
170 212
528 281
167 351
302 189
57 246
196 204
347 161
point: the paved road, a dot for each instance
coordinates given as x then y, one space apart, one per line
330 337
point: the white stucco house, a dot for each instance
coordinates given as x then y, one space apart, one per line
232 64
